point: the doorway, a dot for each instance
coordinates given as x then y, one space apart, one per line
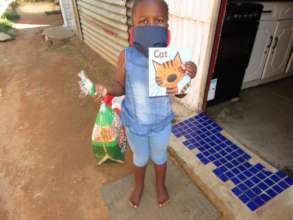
261 117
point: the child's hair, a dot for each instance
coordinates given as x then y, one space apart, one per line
164 4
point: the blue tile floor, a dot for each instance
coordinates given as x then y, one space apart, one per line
254 184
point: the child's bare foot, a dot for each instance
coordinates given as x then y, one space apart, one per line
135 197
163 196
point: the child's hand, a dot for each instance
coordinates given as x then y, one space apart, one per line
100 93
190 68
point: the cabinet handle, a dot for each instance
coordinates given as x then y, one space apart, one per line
269 45
275 45
271 41
267 11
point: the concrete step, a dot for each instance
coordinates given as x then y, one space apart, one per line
57 35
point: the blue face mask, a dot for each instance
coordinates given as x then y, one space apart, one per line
149 36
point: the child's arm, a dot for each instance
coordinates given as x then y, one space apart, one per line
118 87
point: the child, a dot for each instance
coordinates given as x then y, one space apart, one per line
147 120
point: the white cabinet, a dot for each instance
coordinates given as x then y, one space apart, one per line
271 57
273 11
280 50
261 49
286 11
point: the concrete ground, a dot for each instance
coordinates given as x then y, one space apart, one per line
263 121
47 168
187 202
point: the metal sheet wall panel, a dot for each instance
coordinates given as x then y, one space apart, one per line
104 26
198 10
129 11
191 22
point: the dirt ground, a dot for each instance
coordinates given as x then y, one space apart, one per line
47 168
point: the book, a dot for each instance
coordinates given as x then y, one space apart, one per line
166 71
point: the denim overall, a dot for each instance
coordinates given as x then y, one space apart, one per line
140 113
147 119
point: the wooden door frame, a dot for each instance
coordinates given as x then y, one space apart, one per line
215 49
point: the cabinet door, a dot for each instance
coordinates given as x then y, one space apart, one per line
260 51
287 11
280 51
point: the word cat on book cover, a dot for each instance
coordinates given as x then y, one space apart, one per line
166 71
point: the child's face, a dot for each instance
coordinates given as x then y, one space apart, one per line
150 13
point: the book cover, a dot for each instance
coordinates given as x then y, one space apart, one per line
165 70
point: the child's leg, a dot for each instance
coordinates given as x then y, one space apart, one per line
158 145
140 149
139 174
162 192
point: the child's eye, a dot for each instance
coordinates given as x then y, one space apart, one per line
160 21
143 21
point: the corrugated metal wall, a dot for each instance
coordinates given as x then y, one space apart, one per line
129 12
104 26
192 24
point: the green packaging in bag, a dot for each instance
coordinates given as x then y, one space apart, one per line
108 137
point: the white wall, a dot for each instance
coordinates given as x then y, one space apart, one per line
193 24
67 13
4 5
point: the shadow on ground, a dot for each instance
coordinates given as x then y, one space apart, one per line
263 121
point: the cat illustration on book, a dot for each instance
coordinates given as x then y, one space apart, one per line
170 73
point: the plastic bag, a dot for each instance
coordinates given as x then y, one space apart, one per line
87 87
108 137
